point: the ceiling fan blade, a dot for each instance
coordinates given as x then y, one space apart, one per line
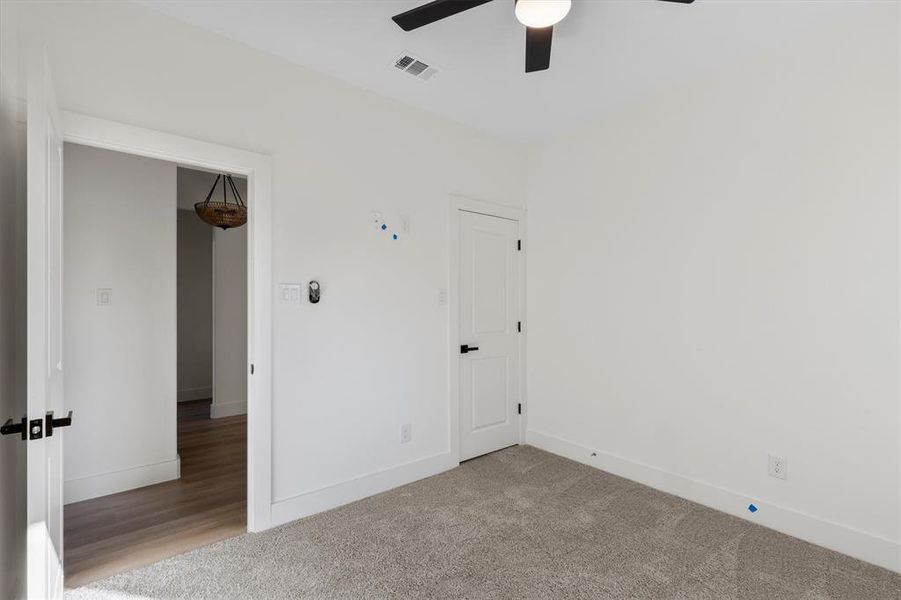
433 11
538 48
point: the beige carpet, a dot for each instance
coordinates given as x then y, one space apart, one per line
519 523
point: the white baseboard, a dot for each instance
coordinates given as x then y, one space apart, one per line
309 503
94 486
227 409
841 538
189 394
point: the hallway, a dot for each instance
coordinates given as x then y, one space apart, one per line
115 533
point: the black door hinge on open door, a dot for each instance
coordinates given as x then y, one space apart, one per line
519 408
519 245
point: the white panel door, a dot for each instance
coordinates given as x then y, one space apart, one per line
489 352
44 325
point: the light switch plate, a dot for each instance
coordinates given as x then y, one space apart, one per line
289 293
104 296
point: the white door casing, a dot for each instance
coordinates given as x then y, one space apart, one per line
44 332
489 304
120 137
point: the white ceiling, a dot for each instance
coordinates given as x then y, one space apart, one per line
606 52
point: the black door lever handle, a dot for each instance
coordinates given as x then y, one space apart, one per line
50 422
11 427
465 349
34 430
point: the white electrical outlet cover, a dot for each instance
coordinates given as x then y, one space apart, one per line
778 467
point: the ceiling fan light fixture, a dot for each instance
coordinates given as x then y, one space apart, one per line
541 13
539 17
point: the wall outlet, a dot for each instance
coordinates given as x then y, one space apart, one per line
406 433
778 467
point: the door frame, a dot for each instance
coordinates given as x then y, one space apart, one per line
110 135
458 203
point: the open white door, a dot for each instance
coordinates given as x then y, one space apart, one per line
44 325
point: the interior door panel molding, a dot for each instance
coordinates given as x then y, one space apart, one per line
461 203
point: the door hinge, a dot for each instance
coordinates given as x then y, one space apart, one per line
519 408
519 326
251 368
519 245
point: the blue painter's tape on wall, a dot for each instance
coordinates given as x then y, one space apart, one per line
395 236
752 508
384 227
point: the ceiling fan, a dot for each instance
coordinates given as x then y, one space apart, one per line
539 17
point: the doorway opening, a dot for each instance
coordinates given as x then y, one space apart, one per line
155 345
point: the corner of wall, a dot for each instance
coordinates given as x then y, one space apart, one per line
835 536
333 496
104 484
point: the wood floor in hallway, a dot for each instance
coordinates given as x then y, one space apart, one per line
124 531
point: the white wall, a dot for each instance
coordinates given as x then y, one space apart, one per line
120 233
195 306
373 354
724 261
713 276
12 303
229 321
227 294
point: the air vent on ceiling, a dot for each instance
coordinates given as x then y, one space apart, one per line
415 67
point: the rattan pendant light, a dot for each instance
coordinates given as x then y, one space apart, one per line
223 214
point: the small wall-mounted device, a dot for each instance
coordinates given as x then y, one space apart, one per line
104 296
314 292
